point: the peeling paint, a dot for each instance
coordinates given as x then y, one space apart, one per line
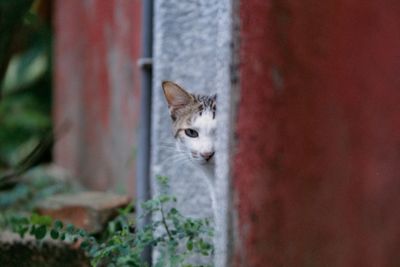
97 90
317 164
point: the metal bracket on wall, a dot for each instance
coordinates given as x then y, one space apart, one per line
145 62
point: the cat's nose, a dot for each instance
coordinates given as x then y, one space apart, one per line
207 156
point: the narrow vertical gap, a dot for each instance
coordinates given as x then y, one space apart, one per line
143 159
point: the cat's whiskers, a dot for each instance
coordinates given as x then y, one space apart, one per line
167 145
174 148
174 158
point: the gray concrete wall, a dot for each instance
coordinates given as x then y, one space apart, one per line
192 46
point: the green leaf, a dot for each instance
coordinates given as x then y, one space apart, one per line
40 232
205 246
22 231
205 253
126 210
40 219
58 225
162 180
85 244
189 245
33 229
54 234
150 205
82 233
70 229
164 198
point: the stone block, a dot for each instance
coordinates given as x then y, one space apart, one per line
86 210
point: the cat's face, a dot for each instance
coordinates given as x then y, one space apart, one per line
194 122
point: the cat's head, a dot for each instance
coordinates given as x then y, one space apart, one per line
194 122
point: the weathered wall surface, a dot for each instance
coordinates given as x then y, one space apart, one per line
96 90
192 48
318 164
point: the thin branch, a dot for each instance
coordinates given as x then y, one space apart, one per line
34 156
165 222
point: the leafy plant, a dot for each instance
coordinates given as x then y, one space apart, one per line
25 83
176 238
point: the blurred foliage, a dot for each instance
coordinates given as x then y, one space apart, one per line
178 239
11 17
35 185
25 72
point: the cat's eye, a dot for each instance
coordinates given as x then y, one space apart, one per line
191 133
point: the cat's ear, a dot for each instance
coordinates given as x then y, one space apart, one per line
175 95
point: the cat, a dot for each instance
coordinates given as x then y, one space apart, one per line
194 124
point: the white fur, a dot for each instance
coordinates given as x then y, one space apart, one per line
194 148
205 126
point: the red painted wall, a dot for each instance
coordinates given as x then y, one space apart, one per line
317 174
97 90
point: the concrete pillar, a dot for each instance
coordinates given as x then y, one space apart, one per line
192 46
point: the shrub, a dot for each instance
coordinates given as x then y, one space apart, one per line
176 237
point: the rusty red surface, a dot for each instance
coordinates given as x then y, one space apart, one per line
97 44
317 171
